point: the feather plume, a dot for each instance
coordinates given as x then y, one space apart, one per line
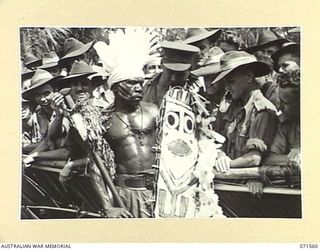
128 51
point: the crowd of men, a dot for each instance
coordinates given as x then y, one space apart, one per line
253 94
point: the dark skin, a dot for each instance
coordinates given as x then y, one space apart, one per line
81 90
133 152
127 104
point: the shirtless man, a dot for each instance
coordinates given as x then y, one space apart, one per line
131 137
130 134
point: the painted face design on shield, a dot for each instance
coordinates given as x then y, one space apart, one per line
131 90
179 134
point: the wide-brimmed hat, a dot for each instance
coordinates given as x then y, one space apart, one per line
24 100
78 69
290 47
49 60
40 78
26 73
30 60
197 34
73 48
211 64
266 38
234 59
177 55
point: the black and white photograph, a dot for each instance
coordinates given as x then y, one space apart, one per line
160 122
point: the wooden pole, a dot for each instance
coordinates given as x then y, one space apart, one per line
266 190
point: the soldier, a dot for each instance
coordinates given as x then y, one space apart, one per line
202 39
286 145
251 118
43 85
268 43
285 149
215 93
209 71
176 64
288 56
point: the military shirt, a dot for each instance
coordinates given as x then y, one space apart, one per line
287 137
256 119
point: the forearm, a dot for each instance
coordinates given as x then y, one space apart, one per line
57 154
277 160
252 159
42 146
30 147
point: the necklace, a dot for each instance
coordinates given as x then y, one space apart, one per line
136 131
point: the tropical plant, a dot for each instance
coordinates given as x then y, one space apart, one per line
39 40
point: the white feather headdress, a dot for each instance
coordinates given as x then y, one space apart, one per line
128 51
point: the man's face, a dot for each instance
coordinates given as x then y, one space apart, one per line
268 51
43 95
54 71
237 83
131 90
214 92
81 89
153 69
178 78
204 46
290 60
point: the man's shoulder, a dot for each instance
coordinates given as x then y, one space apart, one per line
150 107
261 103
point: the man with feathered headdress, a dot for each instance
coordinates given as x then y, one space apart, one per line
132 131
132 138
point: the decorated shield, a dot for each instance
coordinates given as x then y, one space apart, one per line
178 157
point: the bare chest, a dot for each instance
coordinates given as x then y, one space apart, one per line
126 125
